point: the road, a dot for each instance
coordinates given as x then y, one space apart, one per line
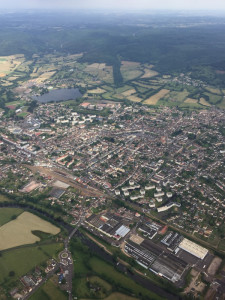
49 275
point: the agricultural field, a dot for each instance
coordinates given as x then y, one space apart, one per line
8 214
153 100
8 64
22 260
19 231
49 291
204 102
139 81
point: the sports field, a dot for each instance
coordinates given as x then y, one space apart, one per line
19 231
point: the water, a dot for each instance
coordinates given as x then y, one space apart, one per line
59 95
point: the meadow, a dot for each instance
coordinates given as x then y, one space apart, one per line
49 291
23 259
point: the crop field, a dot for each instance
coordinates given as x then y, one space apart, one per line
213 90
177 96
22 260
96 91
149 73
7 214
155 98
131 70
19 232
134 98
49 291
204 102
9 63
190 100
129 92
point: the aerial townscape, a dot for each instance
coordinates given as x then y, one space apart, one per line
112 169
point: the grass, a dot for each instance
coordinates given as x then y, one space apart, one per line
108 272
7 214
19 232
213 98
177 96
49 291
119 296
86 265
222 245
24 259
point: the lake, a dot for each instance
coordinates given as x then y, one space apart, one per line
59 95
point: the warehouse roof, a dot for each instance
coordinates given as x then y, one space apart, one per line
193 248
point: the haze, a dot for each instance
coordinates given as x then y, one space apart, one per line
115 4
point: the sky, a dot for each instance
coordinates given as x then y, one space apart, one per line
116 4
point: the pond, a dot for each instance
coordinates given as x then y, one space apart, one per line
59 95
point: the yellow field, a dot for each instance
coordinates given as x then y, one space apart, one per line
96 91
134 98
214 91
155 98
129 92
10 63
18 232
149 73
190 100
204 102
95 66
130 63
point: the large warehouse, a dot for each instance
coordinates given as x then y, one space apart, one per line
193 248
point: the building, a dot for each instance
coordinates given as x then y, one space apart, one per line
193 248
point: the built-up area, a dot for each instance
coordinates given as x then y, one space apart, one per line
146 180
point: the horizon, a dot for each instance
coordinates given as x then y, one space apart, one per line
116 5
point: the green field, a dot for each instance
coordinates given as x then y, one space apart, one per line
49 291
86 265
8 214
24 259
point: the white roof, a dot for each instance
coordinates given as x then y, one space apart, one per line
193 248
122 231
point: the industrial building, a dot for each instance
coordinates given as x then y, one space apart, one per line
152 256
193 248
109 224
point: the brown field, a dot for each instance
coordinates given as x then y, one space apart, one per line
155 98
149 73
204 102
18 232
190 100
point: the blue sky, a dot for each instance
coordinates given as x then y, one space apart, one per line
117 4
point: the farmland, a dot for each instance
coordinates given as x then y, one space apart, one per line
22 260
139 82
154 99
8 214
19 231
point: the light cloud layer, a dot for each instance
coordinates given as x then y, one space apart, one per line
117 4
